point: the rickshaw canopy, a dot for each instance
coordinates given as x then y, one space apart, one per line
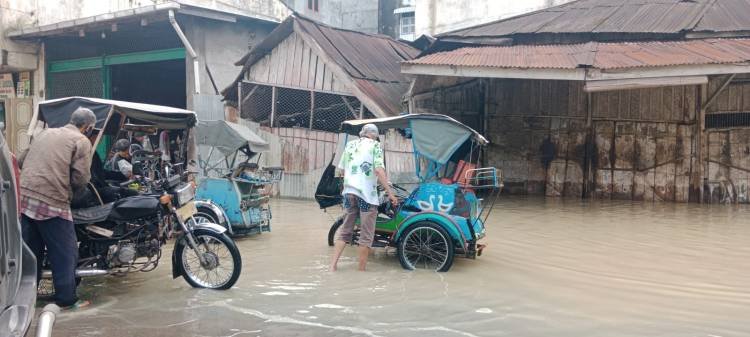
57 112
229 137
434 136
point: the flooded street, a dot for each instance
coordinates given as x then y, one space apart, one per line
552 268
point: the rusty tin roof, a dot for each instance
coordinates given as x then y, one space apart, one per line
371 61
610 17
603 56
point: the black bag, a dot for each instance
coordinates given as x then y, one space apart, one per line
329 188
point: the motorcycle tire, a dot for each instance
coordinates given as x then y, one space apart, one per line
202 236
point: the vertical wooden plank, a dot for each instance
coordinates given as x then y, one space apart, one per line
273 65
319 71
328 80
313 67
290 62
305 68
296 63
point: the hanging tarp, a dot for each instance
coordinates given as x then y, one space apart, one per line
229 137
437 140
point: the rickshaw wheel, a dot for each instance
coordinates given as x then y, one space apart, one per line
332 232
335 228
426 245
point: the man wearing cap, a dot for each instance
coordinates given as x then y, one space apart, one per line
363 166
120 161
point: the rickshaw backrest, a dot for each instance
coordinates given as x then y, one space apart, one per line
463 174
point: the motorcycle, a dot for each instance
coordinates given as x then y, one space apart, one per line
128 235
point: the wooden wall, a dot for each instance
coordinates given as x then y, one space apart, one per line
728 161
304 154
293 64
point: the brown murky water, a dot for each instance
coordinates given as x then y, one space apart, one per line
552 268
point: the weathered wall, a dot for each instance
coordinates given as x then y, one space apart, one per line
348 14
218 45
642 143
304 154
728 160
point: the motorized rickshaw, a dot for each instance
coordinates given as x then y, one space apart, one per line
443 216
231 178
131 219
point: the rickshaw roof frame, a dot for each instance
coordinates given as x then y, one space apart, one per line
353 127
56 112
228 137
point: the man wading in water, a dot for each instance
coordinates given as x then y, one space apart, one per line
363 166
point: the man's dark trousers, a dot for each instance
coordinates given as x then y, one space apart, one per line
59 236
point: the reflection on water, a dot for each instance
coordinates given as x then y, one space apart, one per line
552 268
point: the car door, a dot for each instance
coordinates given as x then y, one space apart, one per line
17 263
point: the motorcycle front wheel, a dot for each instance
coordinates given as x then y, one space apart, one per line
221 263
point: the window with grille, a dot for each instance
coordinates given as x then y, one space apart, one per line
727 120
406 26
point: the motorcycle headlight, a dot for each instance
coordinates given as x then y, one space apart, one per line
184 194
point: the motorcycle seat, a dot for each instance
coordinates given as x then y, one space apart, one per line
92 214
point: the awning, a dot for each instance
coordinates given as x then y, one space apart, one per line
590 61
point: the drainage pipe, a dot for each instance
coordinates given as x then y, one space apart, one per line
189 48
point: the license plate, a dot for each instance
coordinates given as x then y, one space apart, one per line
185 212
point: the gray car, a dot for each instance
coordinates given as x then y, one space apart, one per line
17 262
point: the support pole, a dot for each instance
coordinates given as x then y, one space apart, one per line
312 108
361 110
588 175
273 105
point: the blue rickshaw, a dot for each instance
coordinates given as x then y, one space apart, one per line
231 178
445 215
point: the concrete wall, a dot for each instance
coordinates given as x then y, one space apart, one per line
218 45
637 144
438 16
348 14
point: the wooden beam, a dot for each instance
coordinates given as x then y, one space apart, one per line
491 72
717 93
671 71
361 111
312 108
250 94
642 83
350 107
273 105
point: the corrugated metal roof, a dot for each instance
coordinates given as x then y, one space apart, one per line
596 55
372 61
623 16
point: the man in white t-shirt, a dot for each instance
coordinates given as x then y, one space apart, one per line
363 166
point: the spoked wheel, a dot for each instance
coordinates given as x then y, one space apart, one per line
333 233
221 262
426 245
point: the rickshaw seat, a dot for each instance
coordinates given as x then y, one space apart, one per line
460 176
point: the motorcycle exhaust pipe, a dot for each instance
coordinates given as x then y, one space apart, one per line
47 274
47 320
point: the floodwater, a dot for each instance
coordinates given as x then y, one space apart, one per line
552 268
